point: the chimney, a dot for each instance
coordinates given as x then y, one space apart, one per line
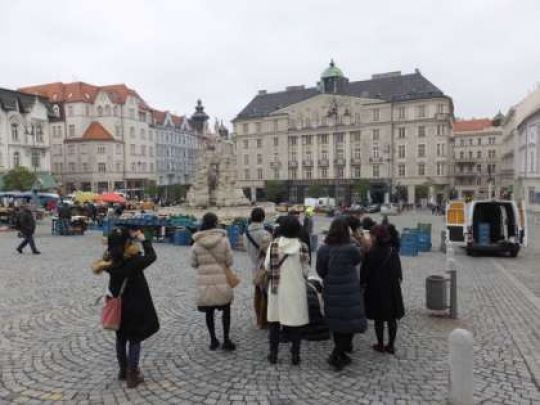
261 92
293 88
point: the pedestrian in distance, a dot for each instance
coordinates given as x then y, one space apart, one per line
125 266
381 278
210 253
287 264
256 241
26 225
337 262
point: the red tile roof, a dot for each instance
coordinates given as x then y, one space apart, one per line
177 120
96 132
472 125
83 92
159 116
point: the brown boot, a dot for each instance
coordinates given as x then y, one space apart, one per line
133 377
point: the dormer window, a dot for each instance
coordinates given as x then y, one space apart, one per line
56 110
100 111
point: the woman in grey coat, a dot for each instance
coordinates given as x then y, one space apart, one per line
337 263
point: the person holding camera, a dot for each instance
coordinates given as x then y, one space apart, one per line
125 265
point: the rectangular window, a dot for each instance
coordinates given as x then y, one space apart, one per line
100 150
421 131
401 132
245 128
375 135
421 169
257 127
143 150
438 149
70 111
308 174
323 139
401 113
132 113
118 166
375 171
401 170
259 174
339 173
246 159
338 138
102 168
401 151
357 153
375 114
356 136
71 130
375 151
72 167
275 125
324 173
35 159
421 111
85 167
479 154
292 140
440 169
150 151
259 159
246 144
421 150
276 141
246 174
479 168
292 174
259 143
440 108
357 172
71 149
441 130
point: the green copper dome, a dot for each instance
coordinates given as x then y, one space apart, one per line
332 71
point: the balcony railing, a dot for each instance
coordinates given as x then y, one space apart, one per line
356 161
293 163
307 163
323 162
374 159
442 116
340 161
275 165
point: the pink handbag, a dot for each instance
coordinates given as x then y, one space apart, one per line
111 314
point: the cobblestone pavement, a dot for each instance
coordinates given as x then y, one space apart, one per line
52 349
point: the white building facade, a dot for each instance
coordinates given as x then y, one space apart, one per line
24 132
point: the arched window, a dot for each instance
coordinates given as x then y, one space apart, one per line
56 110
132 132
107 110
100 111
115 110
16 159
15 132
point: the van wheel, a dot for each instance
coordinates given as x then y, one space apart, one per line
514 252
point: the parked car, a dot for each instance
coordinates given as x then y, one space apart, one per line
373 208
389 209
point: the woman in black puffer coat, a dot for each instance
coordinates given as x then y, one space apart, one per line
343 304
317 329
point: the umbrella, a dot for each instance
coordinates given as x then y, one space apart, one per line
85 196
112 198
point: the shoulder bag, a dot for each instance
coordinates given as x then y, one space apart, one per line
232 277
111 314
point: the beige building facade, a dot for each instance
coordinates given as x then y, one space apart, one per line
391 132
477 158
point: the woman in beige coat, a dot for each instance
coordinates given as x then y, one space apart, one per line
210 253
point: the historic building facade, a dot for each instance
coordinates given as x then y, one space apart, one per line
521 143
105 138
392 132
24 132
477 157
176 149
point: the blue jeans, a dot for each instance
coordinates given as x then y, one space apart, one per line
28 240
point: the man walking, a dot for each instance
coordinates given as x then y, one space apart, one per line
256 240
26 225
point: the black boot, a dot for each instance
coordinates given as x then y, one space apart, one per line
273 356
295 354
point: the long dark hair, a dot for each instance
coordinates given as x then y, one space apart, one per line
339 232
209 221
116 244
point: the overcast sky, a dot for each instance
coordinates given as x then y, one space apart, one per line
485 54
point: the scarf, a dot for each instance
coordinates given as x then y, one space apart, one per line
275 267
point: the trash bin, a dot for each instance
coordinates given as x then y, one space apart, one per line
436 299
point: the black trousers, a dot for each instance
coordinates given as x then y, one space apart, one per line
342 342
293 333
28 240
392 331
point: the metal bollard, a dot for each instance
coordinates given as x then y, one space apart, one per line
452 271
460 342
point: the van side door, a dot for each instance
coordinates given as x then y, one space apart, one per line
456 221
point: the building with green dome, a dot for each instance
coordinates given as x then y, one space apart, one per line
391 132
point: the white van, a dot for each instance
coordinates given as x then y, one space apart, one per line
487 226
